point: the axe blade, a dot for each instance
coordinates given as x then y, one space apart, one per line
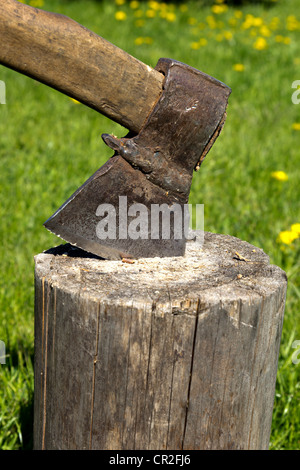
110 215
152 171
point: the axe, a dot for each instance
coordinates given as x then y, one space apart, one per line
135 204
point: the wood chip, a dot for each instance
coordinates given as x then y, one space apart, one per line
128 260
240 257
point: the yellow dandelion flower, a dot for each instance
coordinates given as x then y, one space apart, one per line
183 8
170 16
195 45
218 9
264 31
279 175
238 67
291 18
120 15
134 4
138 41
248 23
296 228
150 13
274 23
292 24
210 19
296 126
154 5
120 2
211 22
257 21
260 44
287 237
283 39
228 35
143 40
36 3
238 14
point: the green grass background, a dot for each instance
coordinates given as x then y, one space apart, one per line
49 146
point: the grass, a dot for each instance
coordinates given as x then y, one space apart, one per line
49 146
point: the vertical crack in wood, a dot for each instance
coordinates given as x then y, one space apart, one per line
43 339
172 378
148 368
45 360
126 383
135 427
225 383
209 385
54 327
94 375
253 365
191 373
145 312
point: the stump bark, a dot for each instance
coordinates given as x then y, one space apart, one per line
164 353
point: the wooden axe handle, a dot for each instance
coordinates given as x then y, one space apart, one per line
64 55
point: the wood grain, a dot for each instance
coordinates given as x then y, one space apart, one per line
64 55
165 353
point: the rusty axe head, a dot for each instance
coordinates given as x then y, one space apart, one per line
134 205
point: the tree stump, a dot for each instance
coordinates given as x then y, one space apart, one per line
164 353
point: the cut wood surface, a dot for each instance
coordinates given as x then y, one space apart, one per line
61 53
163 353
